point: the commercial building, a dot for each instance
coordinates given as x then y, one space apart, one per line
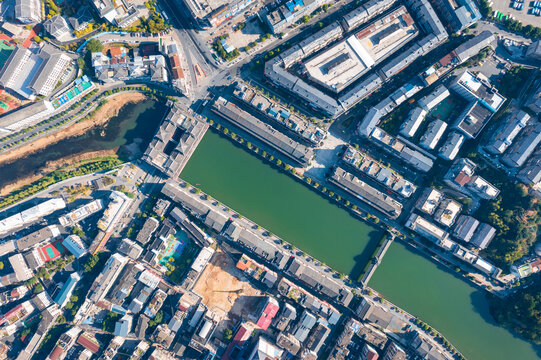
22 271
30 74
28 11
174 142
384 175
279 113
30 215
212 13
531 172
288 12
75 245
429 200
449 150
57 26
412 123
483 236
473 46
361 190
81 213
339 66
472 119
64 295
433 134
262 132
529 141
425 228
460 14
511 127
431 100
465 227
107 277
401 150
478 89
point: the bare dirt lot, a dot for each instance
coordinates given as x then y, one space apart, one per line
250 33
225 292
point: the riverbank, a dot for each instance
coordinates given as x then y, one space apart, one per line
55 165
100 118
298 213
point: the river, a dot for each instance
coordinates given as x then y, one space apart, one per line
320 228
134 126
330 234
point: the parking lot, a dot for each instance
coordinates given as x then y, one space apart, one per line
523 15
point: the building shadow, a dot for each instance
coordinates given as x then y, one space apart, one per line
362 259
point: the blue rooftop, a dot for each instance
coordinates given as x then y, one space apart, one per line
62 298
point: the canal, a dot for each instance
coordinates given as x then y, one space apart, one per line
133 127
321 229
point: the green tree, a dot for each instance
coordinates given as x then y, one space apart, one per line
94 45
228 335
38 288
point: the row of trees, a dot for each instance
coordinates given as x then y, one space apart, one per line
511 24
57 176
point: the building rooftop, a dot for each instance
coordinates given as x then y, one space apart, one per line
352 184
265 133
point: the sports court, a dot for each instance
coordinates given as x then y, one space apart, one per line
51 251
174 246
446 108
77 89
5 51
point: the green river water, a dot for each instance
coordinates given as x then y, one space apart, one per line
320 228
313 224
